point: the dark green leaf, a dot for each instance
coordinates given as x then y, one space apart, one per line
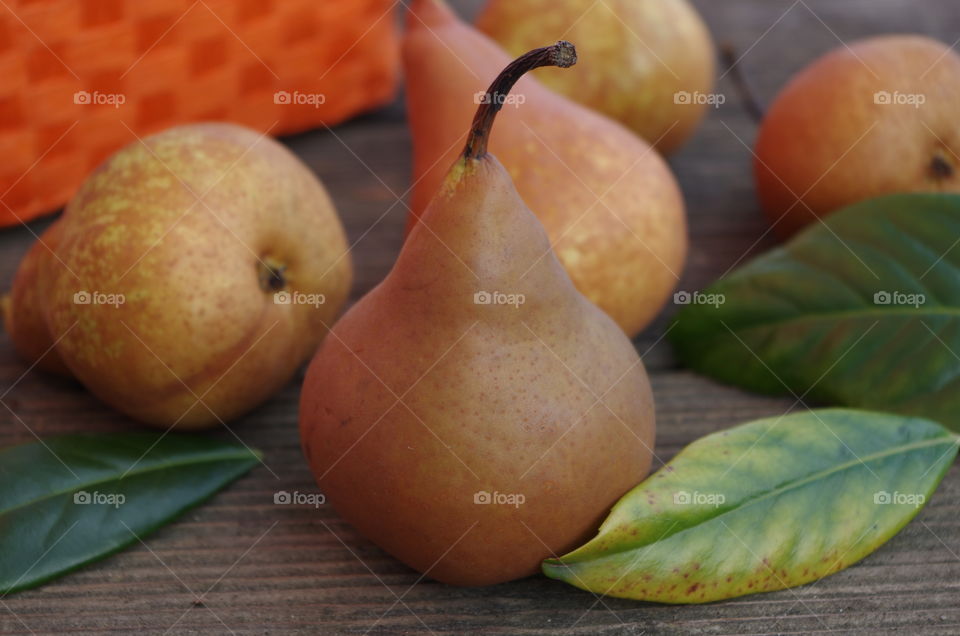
771 504
864 311
71 500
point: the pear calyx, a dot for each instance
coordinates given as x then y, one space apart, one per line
562 54
271 275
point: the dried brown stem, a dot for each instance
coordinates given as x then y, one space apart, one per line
561 54
748 96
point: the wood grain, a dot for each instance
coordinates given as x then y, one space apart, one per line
262 568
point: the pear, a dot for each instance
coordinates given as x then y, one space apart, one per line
648 64
870 118
474 413
188 279
23 308
609 203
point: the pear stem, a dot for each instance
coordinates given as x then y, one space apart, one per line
748 95
561 54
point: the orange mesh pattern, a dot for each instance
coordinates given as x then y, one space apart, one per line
81 78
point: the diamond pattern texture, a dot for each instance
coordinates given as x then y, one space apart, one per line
172 61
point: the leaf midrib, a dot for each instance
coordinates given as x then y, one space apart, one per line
133 473
858 313
947 440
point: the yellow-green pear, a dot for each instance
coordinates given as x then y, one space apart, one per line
190 276
648 64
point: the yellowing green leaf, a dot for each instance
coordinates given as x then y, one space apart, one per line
763 506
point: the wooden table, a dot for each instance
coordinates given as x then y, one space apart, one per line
263 568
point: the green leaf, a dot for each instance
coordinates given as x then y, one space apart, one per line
70 500
863 311
763 506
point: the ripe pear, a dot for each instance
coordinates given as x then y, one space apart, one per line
648 64
23 308
474 413
189 277
875 117
609 203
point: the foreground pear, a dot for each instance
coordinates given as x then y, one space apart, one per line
608 202
188 279
474 413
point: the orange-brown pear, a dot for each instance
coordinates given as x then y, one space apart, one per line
608 202
474 413
873 117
